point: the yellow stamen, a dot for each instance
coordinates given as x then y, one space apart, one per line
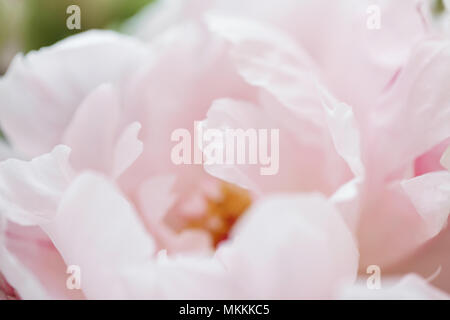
222 213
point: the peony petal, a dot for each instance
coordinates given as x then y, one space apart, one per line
400 219
409 287
127 149
445 160
96 144
55 83
156 198
323 169
172 93
159 16
348 199
430 160
97 229
431 261
179 277
344 131
30 191
430 194
346 50
290 247
269 59
91 133
33 266
21 279
413 108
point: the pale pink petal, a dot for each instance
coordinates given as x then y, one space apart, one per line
55 83
414 108
346 50
180 277
170 93
91 133
344 131
275 252
368 142
269 59
430 194
272 61
291 247
30 194
430 160
431 261
445 160
31 190
349 201
390 226
22 280
156 198
409 287
323 169
127 149
33 266
96 228
159 16
95 135
228 114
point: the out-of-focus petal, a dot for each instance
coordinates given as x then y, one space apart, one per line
394 223
292 247
430 160
159 16
127 149
430 194
98 230
33 266
445 160
431 261
409 287
170 92
31 190
180 277
414 108
156 198
21 279
97 137
341 44
55 83
92 132
348 200
344 131
323 169
269 59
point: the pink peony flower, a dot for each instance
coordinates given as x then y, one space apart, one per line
363 117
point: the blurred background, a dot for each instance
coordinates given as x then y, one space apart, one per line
31 24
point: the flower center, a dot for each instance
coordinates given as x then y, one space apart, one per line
222 212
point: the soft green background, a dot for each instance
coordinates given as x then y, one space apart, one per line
45 20
30 24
